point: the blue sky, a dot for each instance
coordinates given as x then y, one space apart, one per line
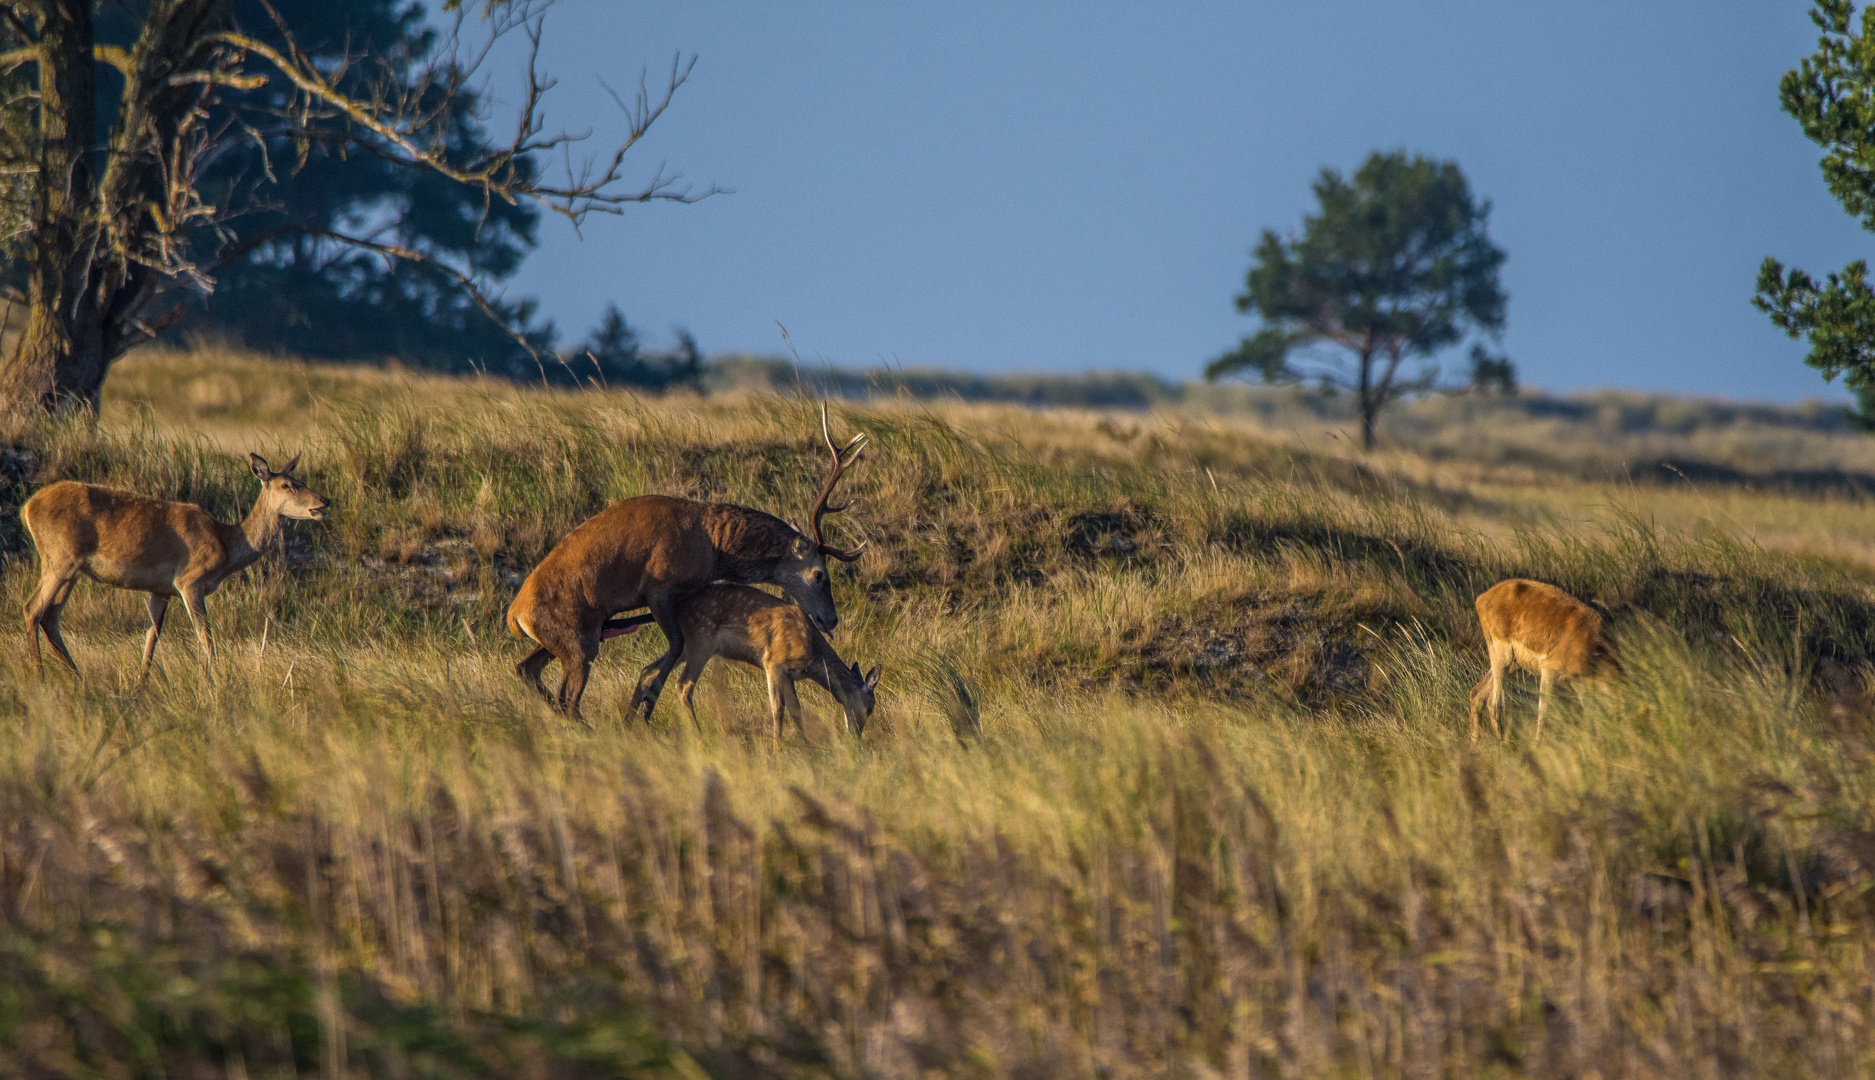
1065 187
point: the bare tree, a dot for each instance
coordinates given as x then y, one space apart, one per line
102 203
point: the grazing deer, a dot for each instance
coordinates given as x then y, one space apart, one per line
166 549
1541 629
656 551
752 627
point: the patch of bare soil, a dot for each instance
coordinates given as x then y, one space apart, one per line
440 572
1123 531
1263 643
1308 649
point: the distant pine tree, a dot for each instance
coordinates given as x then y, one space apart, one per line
612 355
1397 265
1491 374
685 366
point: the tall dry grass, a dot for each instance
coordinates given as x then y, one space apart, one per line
1169 775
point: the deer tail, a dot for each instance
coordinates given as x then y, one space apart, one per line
27 513
517 625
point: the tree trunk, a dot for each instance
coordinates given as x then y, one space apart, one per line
61 355
62 361
1370 399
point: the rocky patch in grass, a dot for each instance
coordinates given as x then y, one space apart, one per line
1124 531
961 555
1307 649
440 572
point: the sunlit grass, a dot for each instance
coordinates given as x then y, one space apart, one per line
1169 775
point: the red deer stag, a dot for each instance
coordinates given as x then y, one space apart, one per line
752 627
1541 629
166 549
655 551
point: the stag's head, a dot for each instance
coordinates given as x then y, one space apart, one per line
803 575
285 494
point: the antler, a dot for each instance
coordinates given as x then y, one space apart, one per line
843 456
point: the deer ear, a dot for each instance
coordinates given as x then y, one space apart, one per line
259 465
872 677
291 464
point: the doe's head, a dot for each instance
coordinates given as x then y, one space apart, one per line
286 493
857 697
1604 661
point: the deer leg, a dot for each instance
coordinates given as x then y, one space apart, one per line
1485 692
687 684
42 614
1500 660
529 670
1479 694
194 601
776 680
1546 682
792 703
36 605
159 606
651 679
32 632
575 667
49 622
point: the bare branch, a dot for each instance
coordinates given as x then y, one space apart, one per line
398 251
218 78
143 331
247 247
25 32
114 55
399 128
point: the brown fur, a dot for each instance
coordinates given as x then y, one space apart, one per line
752 627
1541 629
656 551
653 551
166 549
749 535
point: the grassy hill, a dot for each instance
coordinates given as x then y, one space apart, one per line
1169 776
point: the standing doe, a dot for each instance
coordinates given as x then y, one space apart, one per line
1541 629
752 627
166 549
656 551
